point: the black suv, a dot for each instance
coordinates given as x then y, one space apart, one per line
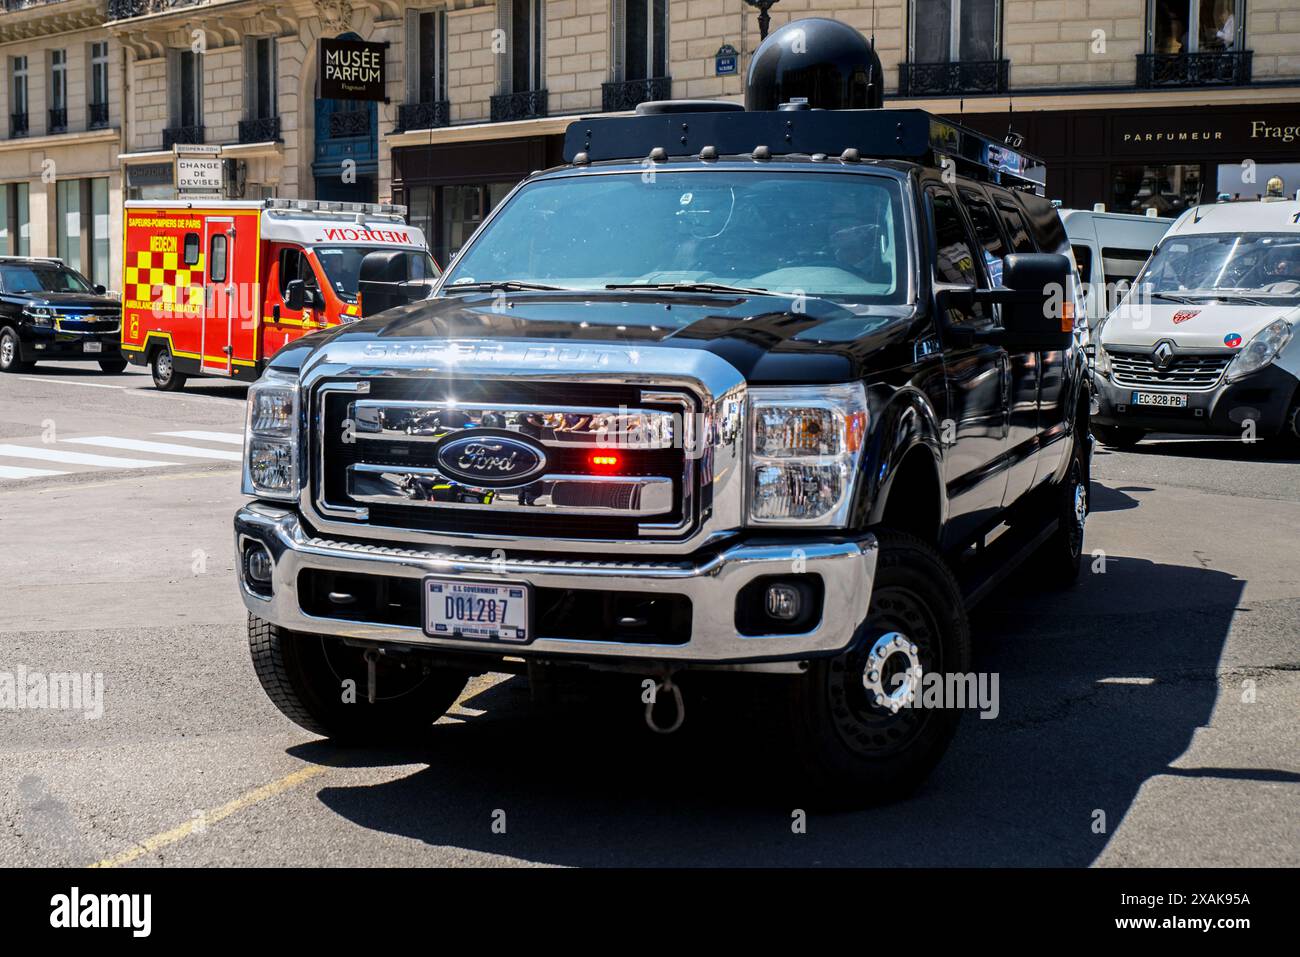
778 392
49 311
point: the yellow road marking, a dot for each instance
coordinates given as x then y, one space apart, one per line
255 796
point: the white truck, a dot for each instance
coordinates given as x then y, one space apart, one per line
1204 342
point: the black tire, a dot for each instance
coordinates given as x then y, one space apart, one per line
1058 560
165 376
852 751
1118 436
113 366
1289 437
304 677
11 352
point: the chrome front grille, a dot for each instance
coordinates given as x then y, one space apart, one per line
95 319
378 443
1186 372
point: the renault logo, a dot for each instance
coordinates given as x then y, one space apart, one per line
1163 354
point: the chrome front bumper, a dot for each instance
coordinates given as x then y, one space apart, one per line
847 569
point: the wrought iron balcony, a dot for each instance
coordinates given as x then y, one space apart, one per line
1207 68
126 9
58 121
627 94
423 116
17 124
263 130
97 115
958 78
181 134
12 6
528 105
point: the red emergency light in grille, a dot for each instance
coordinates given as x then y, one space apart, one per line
603 461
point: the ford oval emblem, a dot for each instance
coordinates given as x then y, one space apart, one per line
490 460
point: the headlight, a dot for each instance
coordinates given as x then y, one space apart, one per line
40 315
804 447
1261 350
271 438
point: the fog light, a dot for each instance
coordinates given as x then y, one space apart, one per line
783 602
257 566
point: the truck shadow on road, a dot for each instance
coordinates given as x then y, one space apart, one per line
1101 688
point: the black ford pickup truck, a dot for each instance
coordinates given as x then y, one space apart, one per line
777 389
49 311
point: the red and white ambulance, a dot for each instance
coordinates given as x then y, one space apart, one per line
216 288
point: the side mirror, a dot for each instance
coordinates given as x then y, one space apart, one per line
100 289
317 299
385 282
295 294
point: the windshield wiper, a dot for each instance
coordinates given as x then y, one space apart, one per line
506 285
694 287
1172 298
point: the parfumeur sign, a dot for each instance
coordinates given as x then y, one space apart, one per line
351 69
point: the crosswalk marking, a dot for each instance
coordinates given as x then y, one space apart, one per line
230 438
14 472
156 448
47 454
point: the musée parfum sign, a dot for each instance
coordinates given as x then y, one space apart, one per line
351 69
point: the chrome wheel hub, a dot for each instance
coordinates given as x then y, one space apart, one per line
892 661
164 366
6 350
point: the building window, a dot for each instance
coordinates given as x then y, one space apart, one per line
642 39
432 41
97 107
18 96
58 91
448 215
261 63
1167 188
82 233
1194 26
526 63
15 220
953 31
188 89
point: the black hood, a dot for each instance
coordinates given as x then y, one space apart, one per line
769 339
67 300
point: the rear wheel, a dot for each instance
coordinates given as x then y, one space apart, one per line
113 366
859 725
1118 436
165 376
321 684
10 353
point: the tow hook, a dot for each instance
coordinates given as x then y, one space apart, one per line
372 658
665 685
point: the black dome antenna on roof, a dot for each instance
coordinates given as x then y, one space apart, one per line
826 62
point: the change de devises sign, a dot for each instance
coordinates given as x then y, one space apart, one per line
351 69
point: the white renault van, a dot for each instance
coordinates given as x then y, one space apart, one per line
1204 342
1109 251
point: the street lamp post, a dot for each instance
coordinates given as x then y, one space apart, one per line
764 18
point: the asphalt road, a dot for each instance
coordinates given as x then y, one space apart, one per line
1147 715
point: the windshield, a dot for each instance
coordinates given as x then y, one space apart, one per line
342 265
33 277
1224 266
816 234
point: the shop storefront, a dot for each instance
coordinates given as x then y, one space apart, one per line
1136 159
450 188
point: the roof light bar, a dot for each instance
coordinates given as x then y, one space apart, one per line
334 206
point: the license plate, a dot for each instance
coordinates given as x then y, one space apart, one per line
1168 400
478 611
93 346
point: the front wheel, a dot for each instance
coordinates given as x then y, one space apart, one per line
10 353
322 685
113 366
1058 558
1118 436
165 376
865 728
